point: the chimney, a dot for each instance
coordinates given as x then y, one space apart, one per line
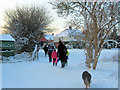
70 27
53 34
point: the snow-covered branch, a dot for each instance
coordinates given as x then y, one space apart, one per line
108 30
35 53
90 12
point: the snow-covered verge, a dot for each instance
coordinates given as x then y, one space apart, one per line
22 73
17 58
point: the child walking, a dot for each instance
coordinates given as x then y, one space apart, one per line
54 56
66 62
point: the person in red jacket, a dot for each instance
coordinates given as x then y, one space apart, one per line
54 56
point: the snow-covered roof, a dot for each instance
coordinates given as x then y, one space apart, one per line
68 32
49 37
70 40
6 37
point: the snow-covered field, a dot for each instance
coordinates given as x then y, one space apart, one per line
19 72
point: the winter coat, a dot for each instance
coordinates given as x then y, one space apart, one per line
54 54
62 51
50 49
45 48
67 53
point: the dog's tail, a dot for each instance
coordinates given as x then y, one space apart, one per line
87 82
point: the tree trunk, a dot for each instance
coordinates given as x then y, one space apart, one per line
95 63
95 44
89 55
88 60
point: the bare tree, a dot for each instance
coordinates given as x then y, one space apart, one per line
76 22
99 19
26 24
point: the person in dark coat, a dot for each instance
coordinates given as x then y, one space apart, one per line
62 51
45 48
50 50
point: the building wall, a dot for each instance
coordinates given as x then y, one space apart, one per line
64 39
7 48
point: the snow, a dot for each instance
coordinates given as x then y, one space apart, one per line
20 72
68 32
64 33
6 37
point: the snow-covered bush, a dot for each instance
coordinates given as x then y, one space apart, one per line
26 25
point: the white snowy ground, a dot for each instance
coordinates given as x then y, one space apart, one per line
19 73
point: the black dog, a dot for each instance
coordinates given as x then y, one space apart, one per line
86 78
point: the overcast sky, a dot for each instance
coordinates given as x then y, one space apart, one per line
7 4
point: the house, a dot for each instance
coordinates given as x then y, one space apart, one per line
70 36
6 45
46 39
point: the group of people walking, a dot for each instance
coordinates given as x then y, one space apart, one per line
55 56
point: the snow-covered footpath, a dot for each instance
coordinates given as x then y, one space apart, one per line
18 72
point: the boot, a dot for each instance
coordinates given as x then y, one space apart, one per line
63 65
53 63
66 63
50 59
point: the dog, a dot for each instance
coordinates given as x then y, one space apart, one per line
86 76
